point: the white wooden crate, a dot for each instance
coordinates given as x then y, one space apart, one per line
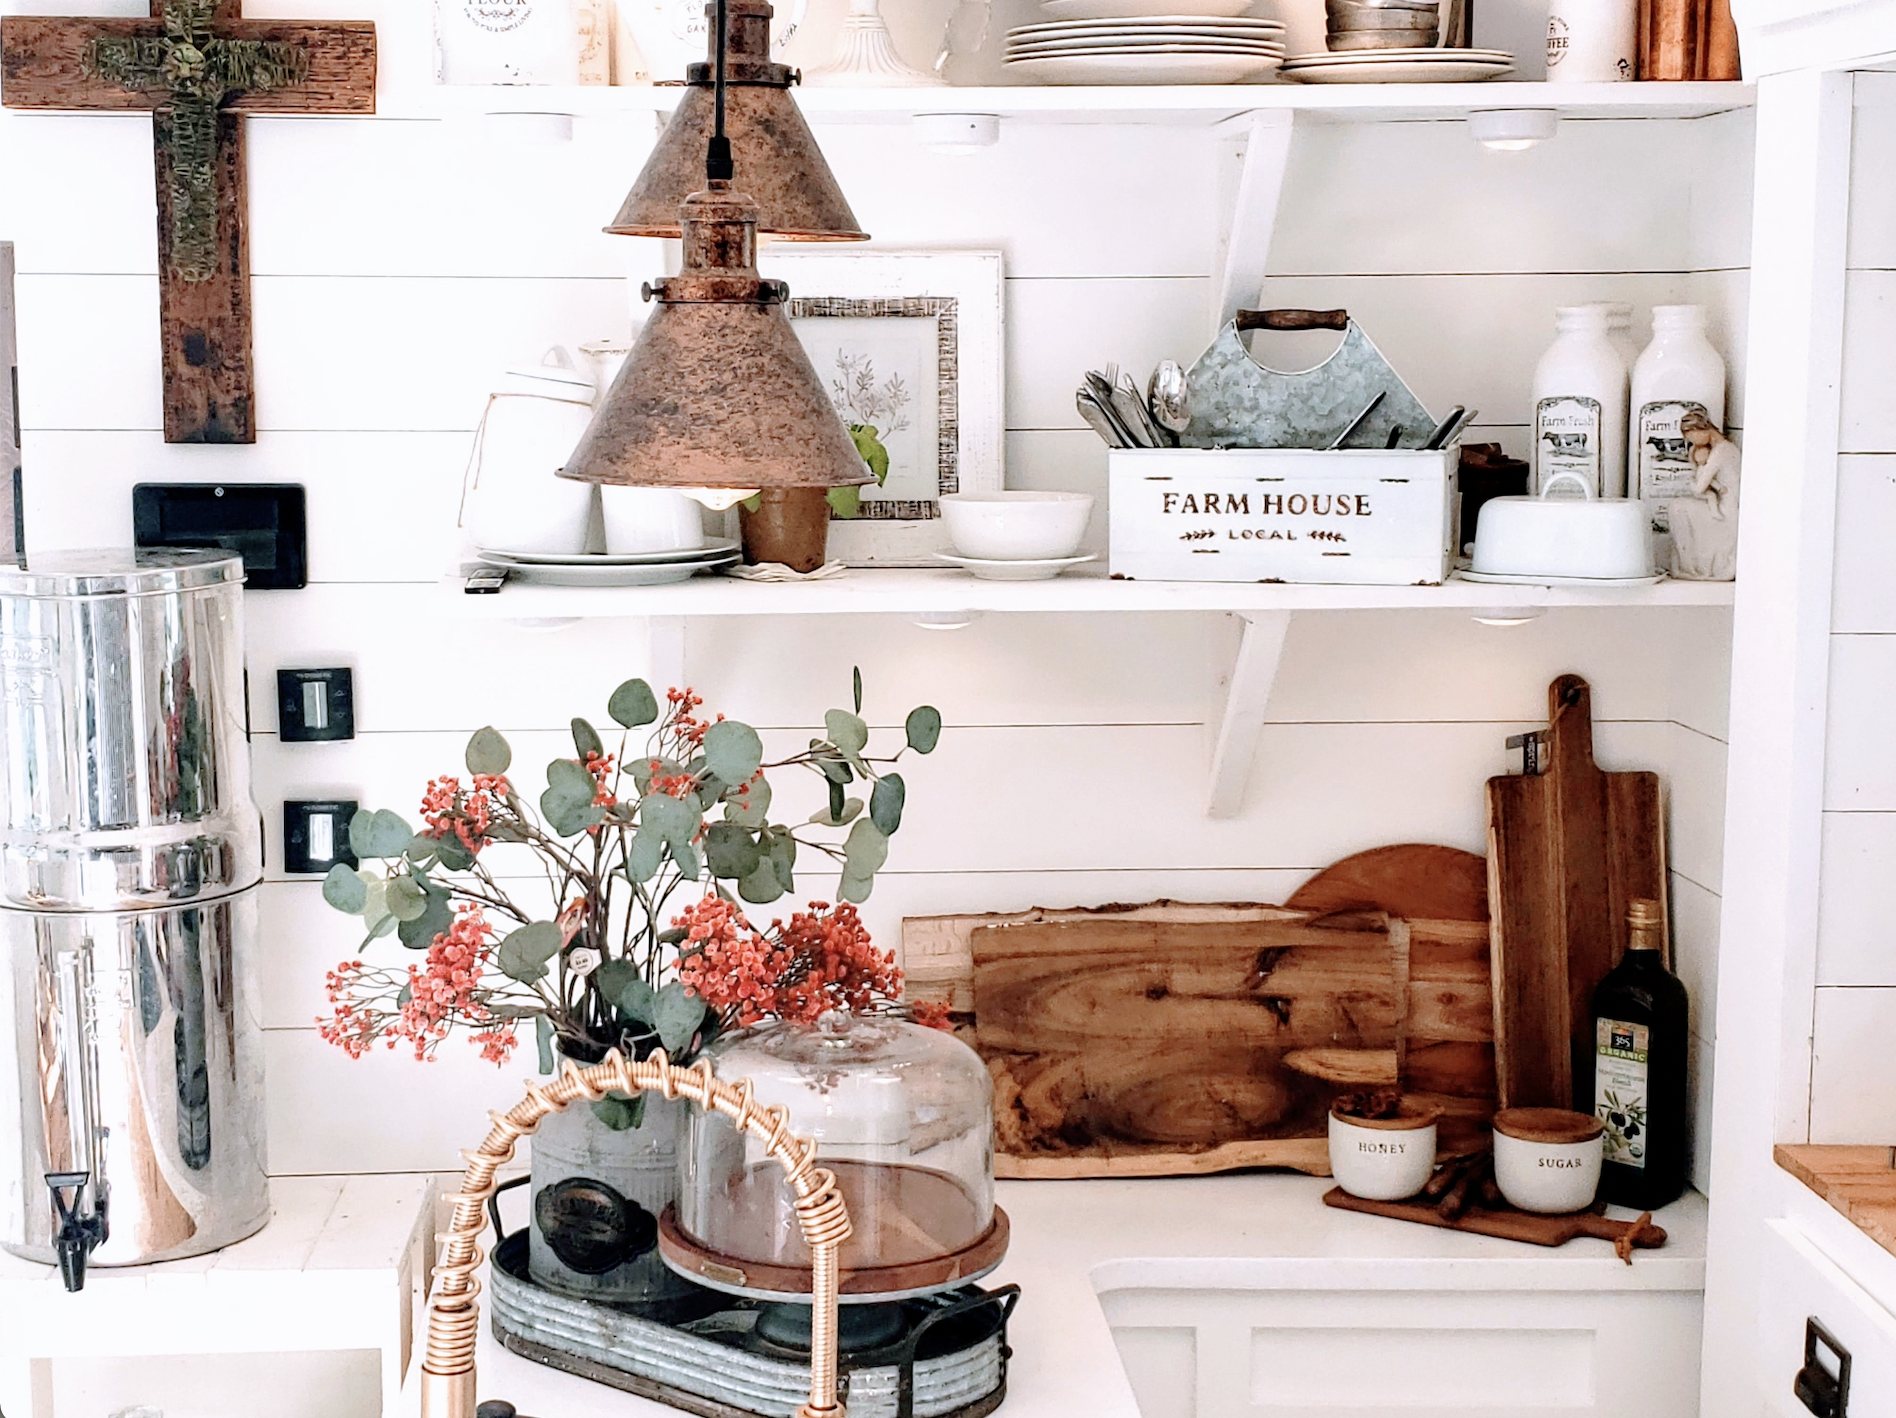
343 1263
1370 517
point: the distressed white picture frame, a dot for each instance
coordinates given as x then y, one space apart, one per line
972 280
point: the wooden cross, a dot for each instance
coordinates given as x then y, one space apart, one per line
199 67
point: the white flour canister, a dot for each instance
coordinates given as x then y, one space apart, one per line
515 500
1678 373
506 42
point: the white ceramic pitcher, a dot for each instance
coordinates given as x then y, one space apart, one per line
514 500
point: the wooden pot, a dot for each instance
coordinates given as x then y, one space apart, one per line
791 526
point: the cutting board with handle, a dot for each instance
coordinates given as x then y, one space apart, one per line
1175 1038
1569 849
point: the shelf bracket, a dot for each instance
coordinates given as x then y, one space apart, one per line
1254 151
665 652
1246 687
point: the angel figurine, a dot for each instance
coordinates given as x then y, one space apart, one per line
1705 525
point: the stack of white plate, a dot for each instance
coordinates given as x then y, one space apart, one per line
1398 66
1096 42
641 568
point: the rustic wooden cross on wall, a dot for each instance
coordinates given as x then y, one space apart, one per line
198 66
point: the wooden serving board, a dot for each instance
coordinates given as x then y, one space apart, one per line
1512 1225
1569 850
1172 1038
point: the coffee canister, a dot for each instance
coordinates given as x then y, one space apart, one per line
130 852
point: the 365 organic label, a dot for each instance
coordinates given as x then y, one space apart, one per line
1567 435
1665 456
1619 1087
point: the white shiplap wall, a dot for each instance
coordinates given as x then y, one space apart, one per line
399 264
1852 1088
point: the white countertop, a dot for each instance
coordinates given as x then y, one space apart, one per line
1074 1241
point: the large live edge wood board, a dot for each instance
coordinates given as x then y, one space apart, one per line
1173 1038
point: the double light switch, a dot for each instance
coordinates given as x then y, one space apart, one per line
316 706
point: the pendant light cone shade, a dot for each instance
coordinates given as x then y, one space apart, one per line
778 163
718 392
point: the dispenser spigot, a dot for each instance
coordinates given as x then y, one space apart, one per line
82 1229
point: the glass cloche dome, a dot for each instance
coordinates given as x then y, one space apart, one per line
903 1116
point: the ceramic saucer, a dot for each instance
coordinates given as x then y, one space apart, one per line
1490 578
1014 570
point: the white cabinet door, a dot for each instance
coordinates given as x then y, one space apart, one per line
1801 1284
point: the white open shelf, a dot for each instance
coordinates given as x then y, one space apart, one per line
905 592
1246 683
1187 105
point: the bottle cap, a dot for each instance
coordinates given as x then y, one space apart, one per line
1647 921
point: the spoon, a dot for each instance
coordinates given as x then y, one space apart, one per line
1098 420
1169 396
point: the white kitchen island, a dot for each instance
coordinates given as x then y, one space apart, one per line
1225 1297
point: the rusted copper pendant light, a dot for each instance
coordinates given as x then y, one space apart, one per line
717 392
777 161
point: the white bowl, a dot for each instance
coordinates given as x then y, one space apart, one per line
1593 538
1016 526
649 519
1383 1159
1548 1159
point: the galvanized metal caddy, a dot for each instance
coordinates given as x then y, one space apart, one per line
1366 517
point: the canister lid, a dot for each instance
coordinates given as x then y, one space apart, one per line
119 571
1553 1125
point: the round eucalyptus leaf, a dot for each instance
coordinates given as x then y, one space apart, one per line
344 890
633 704
586 739
406 899
488 754
732 750
846 730
923 728
885 803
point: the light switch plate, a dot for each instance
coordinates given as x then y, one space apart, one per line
315 706
316 836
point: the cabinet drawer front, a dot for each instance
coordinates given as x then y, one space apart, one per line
1801 1284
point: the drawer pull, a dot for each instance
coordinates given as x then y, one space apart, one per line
1824 1393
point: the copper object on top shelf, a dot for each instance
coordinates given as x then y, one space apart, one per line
778 161
718 392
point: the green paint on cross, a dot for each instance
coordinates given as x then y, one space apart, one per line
200 72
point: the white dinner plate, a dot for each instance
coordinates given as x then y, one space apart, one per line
1183 46
713 548
1489 578
1152 22
1014 570
1161 68
1123 41
1397 72
1140 9
578 574
1404 56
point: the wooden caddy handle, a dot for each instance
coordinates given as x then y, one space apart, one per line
1293 320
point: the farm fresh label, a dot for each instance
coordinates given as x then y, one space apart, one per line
1665 458
1620 1055
1567 438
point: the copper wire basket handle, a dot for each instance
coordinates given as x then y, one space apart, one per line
454 1312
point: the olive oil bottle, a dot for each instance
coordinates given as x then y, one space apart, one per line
1638 1082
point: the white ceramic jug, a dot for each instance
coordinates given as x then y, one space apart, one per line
506 42
514 500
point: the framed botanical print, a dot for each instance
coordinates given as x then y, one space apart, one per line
909 345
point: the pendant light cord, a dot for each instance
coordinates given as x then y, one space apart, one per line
718 166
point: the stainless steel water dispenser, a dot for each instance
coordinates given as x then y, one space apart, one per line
131 1102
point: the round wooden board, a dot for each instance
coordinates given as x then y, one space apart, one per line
1416 880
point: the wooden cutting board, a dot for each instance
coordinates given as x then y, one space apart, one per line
1175 1038
1512 1225
1569 849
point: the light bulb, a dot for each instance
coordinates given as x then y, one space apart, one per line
719 499
1513 130
947 620
957 133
